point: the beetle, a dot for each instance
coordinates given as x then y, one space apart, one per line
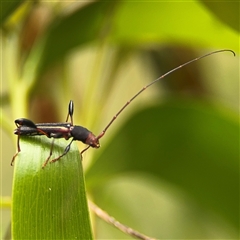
67 130
56 130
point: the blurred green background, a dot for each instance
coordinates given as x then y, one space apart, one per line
169 165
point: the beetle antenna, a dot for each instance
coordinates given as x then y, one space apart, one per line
153 82
70 111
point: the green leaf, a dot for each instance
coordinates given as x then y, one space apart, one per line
187 23
188 144
49 203
7 8
84 25
226 11
160 22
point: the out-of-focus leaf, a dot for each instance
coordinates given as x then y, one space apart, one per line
7 8
123 24
188 144
84 25
131 23
227 11
49 203
186 23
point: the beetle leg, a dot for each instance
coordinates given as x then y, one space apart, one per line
50 154
64 153
19 150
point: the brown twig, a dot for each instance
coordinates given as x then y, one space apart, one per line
107 218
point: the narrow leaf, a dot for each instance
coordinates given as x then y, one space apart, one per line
49 203
7 8
84 25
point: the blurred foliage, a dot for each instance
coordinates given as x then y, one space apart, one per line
227 13
7 9
169 165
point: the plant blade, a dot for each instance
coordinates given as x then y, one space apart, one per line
49 203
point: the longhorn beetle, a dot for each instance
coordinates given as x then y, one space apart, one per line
68 130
